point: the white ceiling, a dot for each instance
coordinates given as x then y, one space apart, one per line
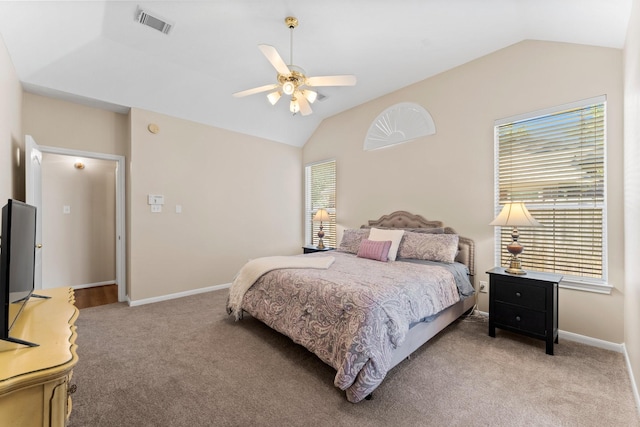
95 52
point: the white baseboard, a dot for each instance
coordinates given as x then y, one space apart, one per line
634 386
594 342
91 285
177 295
583 339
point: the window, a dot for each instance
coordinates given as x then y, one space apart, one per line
554 162
320 193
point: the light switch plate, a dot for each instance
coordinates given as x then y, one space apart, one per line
153 199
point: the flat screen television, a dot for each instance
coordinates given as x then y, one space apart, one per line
17 264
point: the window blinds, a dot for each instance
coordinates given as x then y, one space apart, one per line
555 163
321 194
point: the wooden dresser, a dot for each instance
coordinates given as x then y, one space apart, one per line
35 381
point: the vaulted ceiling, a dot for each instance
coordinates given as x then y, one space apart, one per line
95 52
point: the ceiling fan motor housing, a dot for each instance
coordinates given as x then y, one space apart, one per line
291 82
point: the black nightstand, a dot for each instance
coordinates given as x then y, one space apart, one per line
312 249
526 304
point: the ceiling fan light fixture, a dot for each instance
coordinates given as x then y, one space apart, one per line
294 107
291 79
310 95
288 87
273 97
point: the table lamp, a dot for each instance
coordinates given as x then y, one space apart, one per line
515 214
321 215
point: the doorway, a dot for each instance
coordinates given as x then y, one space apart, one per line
36 155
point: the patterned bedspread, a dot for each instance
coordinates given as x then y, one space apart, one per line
353 315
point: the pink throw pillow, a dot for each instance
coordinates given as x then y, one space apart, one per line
375 250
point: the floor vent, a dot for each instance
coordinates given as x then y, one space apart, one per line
154 21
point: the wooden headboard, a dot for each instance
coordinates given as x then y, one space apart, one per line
405 220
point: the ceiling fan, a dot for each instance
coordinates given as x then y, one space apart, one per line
292 80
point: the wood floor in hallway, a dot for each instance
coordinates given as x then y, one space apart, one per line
97 295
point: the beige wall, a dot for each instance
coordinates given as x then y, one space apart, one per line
78 245
449 175
11 140
632 190
62 124
241 198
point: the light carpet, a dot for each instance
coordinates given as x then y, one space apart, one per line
185 362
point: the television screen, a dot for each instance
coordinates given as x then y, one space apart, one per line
17 260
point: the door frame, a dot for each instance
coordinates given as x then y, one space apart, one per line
120 236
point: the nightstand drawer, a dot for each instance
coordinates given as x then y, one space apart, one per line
520 318
520 294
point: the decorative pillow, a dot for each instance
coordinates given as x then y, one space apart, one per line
351 239
432 247
375 250
394 235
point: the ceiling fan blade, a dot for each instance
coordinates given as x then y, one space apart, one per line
274 57
255 90
305 108
346 80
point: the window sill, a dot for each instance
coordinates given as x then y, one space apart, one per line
599 288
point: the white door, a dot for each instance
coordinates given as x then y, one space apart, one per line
33 171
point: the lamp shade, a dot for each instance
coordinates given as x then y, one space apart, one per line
288 87
515 214
294 107
321 215
310 95
273 97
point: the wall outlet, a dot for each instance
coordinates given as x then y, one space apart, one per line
484 286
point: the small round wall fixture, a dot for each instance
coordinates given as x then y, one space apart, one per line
153 128
399 123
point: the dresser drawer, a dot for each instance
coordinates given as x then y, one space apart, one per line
521 294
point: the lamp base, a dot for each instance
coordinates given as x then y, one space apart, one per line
515 249
320 236
515 267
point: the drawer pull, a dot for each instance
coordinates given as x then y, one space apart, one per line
72 389
518 318
518 294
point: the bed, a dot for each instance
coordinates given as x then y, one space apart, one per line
360 315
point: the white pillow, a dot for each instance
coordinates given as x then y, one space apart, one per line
395 236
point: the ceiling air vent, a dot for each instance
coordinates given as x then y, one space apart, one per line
153 20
